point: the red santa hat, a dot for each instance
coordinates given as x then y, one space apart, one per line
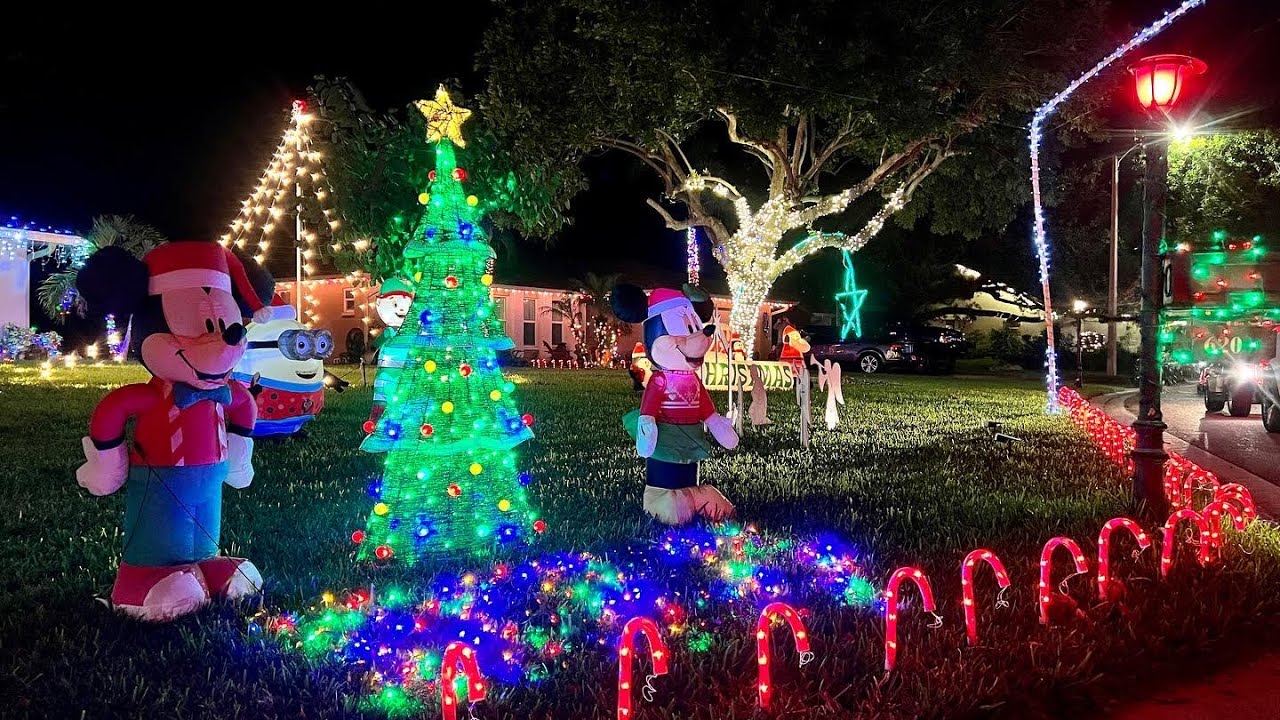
663 299
195 264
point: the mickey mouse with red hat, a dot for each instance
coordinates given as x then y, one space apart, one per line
192 427
675 407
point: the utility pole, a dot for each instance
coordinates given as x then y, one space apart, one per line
1113 275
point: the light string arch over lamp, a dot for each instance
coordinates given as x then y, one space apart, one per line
1036 136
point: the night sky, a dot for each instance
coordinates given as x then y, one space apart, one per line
172 119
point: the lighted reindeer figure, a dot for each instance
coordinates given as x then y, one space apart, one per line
764 629
1169 545
891 596
1110 589
459 655
967 589
1058 604
658 653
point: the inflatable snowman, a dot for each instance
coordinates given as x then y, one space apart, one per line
283 366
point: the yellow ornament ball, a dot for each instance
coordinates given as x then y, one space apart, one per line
429 366
446 407
486 279
476 468
424 198
495 395
504 505
381 509
472 200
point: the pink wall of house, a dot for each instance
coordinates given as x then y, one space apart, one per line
525 312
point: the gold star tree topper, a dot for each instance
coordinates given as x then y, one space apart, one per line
444 119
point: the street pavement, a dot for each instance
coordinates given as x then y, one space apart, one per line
1241 441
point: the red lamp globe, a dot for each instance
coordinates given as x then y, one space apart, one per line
1159 79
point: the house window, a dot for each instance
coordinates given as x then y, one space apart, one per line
500 312
348 302
557 330
530 338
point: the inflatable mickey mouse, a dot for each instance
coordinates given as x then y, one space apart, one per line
675 406
191 432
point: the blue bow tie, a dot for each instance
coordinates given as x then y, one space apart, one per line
184 396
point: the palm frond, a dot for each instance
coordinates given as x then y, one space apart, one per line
53 289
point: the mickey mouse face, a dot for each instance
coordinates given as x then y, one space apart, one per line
204 340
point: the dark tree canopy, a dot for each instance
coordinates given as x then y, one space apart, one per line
854 81
1227 181
378 163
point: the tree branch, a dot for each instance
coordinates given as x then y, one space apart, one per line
670 221
668 173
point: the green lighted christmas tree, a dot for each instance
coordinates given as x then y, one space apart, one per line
450 482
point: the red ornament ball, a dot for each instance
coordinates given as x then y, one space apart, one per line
454 490
464 370
357 537
450 281
431 175
460 174
427 430
383 552
368 427
527 419
539 526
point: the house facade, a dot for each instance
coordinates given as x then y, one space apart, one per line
532 317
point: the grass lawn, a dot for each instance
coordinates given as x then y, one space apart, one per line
910 477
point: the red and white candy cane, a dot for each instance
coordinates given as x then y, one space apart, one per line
1168 546
967 589
1240 495
1213 513
1046 569
764 658
891 609
657 652
1104 548
459 655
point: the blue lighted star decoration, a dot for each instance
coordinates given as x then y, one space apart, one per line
850 299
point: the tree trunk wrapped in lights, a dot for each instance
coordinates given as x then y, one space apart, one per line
450 482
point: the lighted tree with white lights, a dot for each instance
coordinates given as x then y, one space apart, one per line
793 128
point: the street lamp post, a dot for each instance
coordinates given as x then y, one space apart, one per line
1159 81
1078 307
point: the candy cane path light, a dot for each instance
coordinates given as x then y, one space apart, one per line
1213 513
1241 497
1169 544
891 597
459 654
658 653
967 589
1104 548
1046 569
764 627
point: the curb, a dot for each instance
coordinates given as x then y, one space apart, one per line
1266 496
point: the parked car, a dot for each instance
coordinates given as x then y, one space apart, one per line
1233 384
922 348
1269 384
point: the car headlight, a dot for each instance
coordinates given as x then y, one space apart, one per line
1245 372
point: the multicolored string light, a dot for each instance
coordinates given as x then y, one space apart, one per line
692 254
967 589
1036 137
522 618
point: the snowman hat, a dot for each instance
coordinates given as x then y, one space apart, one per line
395 286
